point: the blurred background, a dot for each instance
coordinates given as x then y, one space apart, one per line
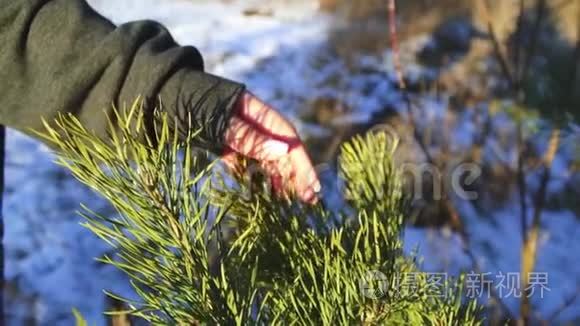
483 95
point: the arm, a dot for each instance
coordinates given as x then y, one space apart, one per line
61 56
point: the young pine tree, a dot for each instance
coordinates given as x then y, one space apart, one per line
204 249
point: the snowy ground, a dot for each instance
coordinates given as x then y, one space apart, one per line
50 267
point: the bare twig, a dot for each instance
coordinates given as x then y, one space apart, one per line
392 7
456 220
518 43
500 52
401 80
575 59
521 176
540 14
481 140
530 247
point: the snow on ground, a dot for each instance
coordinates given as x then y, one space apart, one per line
49 255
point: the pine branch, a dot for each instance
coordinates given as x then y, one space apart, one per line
206 249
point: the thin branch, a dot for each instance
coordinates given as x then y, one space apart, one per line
540 14
401 80
575 59
500 53
530 247
518 43
521 176
395 43
481 140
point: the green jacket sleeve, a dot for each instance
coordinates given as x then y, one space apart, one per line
61 56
